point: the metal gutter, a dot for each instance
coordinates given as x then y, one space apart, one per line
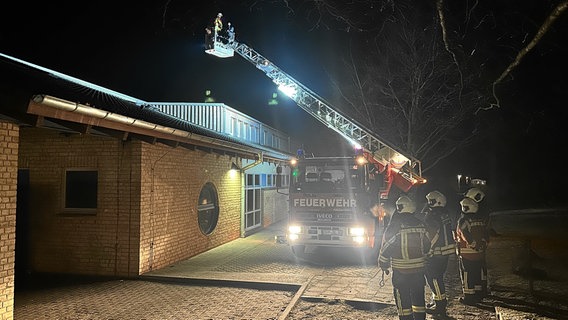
84 110
254 164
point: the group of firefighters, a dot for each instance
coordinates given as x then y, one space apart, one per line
417 249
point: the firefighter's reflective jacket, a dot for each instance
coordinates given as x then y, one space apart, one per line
472 236
218 24
405 244
439 229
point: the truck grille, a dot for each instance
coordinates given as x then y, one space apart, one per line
338 217
325 233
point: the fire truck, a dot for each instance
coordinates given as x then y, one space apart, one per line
334 201
330 203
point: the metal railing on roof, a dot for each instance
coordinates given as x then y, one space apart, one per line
223 119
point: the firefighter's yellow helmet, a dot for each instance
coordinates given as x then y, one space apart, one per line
436 199
468 205
405 205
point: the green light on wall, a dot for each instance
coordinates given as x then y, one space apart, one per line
208 97
274 100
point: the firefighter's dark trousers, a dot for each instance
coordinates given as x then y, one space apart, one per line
484 283
471 274
408 290
435 269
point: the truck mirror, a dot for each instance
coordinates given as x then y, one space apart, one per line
278 170
279 180
381 183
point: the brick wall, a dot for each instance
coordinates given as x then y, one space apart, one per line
275 207
104 242
146 215
8 183
172 181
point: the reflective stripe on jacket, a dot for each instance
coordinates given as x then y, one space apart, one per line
405 244
439 229
471 236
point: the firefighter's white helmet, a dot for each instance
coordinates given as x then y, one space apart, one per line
468 205
436 199
219 14
476 194
405 205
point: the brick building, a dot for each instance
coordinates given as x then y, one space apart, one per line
98 183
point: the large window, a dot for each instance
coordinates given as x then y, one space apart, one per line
208 208
253 203
81 189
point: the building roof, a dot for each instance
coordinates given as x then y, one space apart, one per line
29 92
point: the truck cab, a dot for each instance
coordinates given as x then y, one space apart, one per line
330 201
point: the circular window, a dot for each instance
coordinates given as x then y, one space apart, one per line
208 208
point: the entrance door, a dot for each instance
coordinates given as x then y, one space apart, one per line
253 202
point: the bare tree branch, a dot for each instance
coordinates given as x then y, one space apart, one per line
407 89
165 12
442 20
558 10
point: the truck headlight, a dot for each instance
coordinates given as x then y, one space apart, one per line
357 231
294 229
294 232
359 239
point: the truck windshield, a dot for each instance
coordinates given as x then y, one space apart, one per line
326 178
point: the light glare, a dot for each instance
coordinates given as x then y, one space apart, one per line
294 229
289 91
359 240
357 231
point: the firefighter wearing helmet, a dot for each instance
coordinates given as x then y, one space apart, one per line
478 196
404 249
218 24
471 238
439 229
405 205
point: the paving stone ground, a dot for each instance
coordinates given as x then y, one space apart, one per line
255 278
139 299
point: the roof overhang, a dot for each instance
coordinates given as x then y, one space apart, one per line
62 115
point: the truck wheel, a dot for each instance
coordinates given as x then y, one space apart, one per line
298 249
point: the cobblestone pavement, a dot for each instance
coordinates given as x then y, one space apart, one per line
255 278
139 299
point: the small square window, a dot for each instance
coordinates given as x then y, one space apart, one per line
81 189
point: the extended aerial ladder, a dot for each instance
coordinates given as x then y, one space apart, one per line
398 168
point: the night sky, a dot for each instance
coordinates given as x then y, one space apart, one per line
128 49
136 49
